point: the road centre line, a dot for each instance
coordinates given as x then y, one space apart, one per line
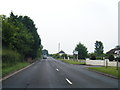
69 81
57 69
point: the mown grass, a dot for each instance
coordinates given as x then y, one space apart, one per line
109 70
72 61
13 68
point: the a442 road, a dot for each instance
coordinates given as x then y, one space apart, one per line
51 73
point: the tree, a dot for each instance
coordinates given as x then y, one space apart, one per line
99 48
29 24
39 53
20 34
82 51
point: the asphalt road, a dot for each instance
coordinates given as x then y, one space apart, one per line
51 73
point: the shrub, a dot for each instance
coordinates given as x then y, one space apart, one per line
55 56
111 57
70 56
10 57
92 56
99 58
64 56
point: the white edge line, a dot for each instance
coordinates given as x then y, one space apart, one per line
69 81
15 72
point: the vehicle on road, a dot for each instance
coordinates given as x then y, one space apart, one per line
44 57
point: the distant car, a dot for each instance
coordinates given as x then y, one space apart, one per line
44 57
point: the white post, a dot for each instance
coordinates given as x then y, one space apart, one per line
68 58
77 57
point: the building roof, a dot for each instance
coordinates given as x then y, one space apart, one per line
112 51
62 52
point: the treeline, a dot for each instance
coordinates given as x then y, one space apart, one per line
20 39
83 53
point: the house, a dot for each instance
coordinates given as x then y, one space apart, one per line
61 53
114 51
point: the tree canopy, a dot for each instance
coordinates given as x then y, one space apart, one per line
19 33
82 51
99 47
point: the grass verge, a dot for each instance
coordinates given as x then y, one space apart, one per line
109 70
8 70
72 62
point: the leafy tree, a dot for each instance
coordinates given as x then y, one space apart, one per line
20 34
99 48
82 51
39 53
29 24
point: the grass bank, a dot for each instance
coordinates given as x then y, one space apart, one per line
72 61
109 70
13 68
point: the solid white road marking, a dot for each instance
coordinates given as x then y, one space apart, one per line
1 79
57 69
69 81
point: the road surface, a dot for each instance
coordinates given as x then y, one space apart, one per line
51 73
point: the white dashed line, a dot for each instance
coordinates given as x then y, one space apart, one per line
69 81
57 69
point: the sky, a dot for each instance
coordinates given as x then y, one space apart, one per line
69 22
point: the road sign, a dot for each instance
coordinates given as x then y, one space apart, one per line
75 52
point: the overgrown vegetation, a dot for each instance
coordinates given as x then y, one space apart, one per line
20 41
20 34
15 67
10 57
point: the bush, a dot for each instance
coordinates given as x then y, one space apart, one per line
92 56
111 57
99 58
55 56
64 56
10 57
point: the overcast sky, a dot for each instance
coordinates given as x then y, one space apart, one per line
69 22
